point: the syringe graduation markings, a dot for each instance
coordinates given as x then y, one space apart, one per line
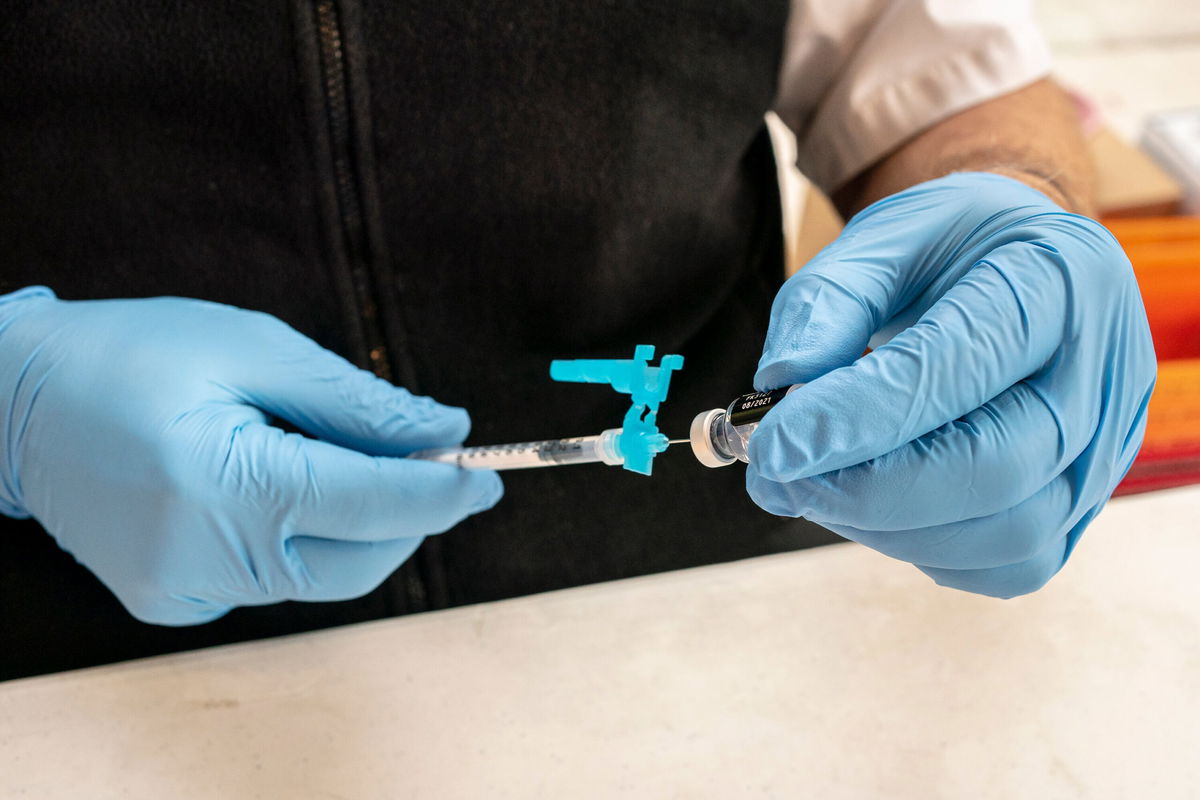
522 455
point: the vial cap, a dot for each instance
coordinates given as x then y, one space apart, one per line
700 436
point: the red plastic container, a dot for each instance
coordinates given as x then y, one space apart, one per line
1165 253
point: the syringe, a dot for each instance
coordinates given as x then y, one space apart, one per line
718 437
549 453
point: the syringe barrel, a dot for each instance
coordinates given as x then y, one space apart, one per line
526 455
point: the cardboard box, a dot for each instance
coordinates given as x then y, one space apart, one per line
1128 182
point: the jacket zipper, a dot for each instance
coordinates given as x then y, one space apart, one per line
353 228
355 237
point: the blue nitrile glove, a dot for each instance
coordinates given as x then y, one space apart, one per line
980 440
138 433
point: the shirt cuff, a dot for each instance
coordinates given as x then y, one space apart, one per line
868 115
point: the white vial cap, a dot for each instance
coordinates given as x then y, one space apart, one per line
700 436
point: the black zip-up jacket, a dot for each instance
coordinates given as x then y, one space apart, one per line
450 194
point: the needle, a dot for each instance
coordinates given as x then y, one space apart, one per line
678 441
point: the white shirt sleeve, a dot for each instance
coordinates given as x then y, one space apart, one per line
859 77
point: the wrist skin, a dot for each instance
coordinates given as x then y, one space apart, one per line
1031 135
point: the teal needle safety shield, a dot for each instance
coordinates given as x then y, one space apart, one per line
633 446
640 440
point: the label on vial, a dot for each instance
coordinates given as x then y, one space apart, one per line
753 407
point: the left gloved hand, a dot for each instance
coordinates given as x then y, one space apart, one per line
146 436
980 440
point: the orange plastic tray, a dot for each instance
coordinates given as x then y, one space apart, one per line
1165 253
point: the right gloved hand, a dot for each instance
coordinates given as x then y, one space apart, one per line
138 433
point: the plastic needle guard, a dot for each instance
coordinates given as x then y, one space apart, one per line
640 439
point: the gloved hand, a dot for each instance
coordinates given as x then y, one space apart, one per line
984 436
138 433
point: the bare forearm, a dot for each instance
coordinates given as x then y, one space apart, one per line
1031 134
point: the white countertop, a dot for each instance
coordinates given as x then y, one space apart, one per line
828 673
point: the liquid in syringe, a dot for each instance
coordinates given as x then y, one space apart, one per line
603 448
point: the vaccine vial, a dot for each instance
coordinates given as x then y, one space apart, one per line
720 436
